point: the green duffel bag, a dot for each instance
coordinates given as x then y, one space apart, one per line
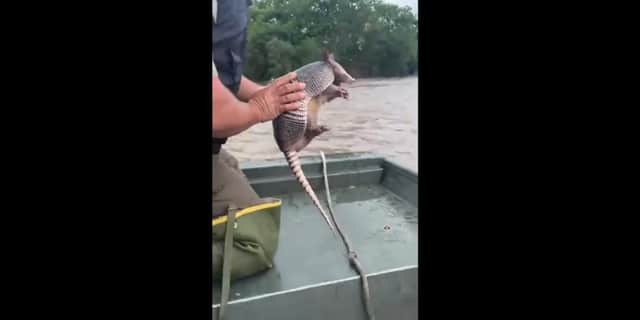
245 242
254 239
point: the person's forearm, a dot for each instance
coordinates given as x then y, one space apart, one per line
230 116
247 89
226 124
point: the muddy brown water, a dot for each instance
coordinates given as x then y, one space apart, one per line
381 116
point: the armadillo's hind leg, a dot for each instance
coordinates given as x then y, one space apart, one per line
316 131
309 134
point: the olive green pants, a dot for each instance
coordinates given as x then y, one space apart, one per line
230 185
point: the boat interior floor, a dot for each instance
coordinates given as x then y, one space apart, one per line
382 226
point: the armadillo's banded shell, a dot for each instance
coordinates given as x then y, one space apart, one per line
289 127
317 76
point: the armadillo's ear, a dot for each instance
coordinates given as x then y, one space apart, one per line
327 56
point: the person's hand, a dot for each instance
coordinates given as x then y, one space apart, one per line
283 94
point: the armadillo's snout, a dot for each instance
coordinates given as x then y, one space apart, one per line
349 79
343 75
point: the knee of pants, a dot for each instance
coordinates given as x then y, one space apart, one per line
229 159
230 185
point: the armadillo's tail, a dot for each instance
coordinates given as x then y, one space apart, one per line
294 164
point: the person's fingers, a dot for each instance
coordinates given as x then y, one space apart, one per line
292 97
291 87
284 79
291 106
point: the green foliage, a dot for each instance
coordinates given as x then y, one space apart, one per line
280 55
369 38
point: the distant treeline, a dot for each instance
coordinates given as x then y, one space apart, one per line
368 37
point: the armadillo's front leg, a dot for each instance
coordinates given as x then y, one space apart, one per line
334 91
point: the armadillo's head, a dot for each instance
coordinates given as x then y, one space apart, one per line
340 74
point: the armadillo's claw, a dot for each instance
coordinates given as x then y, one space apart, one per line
344 93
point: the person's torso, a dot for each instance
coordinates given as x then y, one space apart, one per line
231 19
229 36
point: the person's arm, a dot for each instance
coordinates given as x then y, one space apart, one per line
248 89
232 116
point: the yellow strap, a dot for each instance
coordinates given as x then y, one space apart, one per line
249 210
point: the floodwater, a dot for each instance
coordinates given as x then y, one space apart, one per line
381 116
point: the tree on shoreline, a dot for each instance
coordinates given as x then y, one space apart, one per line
369 38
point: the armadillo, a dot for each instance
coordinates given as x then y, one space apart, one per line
293 130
